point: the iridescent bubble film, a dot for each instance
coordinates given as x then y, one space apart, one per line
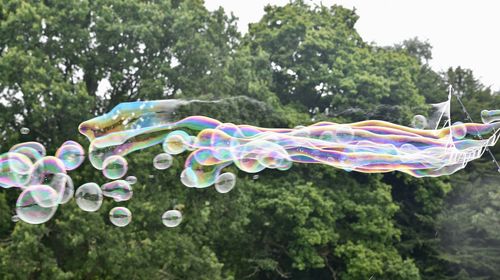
119 190
89 197
120 216
71 154
369 146
172 218
114 167
29 205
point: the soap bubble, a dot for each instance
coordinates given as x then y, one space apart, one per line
120 216
119 190
328 136
189 178
14 218
419 122
171 218
44 170
89 197
225 182
408 148
25 130
63 185
131 180
162 161
176 142
72 155
114 167
44 195
255 177
30 152
343 134
35 145
458 130
28 208
15 170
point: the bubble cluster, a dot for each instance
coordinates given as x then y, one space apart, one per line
120 216
171 218
369 146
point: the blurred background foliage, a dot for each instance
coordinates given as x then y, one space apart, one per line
63 62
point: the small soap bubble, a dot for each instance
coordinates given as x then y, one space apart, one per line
114 167
71 154
419 122
25 130
328 136
119 190
28 209
343 134
408 148
188 177
225 182
458 130
255 177
175 142
162 161
131 179
120 216
89 197
171 218
15 218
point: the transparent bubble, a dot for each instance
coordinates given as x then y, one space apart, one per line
174 145
171 218
162 161
191 144
63 185
188 178
225 182
25 130
489 116
30 152
89 197
35 145
408 148
119 190
15 170
328 136
343 134
131 179
72 155
44 170
458 130
14 218
120 216
255 177
29 210
114 167
301 131
419 122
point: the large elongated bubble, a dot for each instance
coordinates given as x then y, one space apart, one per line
367 146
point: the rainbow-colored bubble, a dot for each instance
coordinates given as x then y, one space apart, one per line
369 146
